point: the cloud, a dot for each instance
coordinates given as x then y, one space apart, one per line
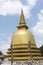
4 48
32 3
5 41
10 7
38 28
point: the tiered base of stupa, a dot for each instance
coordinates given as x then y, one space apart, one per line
22 52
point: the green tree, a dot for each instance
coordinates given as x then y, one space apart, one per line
1 53
41 50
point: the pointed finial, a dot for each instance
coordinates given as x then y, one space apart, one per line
22 19
22 23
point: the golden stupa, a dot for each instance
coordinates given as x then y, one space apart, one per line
23 44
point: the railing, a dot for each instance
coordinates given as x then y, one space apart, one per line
23 63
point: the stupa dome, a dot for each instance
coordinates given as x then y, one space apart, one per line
22 36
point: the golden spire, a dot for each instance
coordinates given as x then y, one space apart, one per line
22 21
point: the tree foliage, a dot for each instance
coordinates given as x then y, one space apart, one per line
1 53
41 50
